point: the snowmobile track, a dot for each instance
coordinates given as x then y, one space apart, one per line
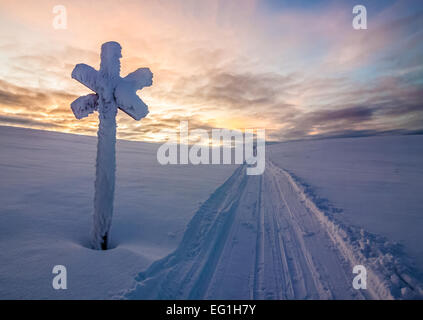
257 237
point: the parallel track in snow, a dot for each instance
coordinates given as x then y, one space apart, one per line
256 237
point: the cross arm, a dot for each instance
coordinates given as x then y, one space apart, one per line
140 78
129 102
86 75
126 93
83 106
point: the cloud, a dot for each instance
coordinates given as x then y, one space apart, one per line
351 115
10 120
32 100
294 72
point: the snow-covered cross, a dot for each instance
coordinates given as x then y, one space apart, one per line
111 92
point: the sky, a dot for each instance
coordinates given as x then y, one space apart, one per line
295 68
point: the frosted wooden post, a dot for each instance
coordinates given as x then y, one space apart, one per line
111 92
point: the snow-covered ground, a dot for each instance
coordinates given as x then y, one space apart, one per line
275 237
263 237
293 233
46 201
376 181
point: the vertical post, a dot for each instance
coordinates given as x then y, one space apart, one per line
106 153
105 181
110 90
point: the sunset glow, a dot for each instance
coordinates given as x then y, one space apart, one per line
297 70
